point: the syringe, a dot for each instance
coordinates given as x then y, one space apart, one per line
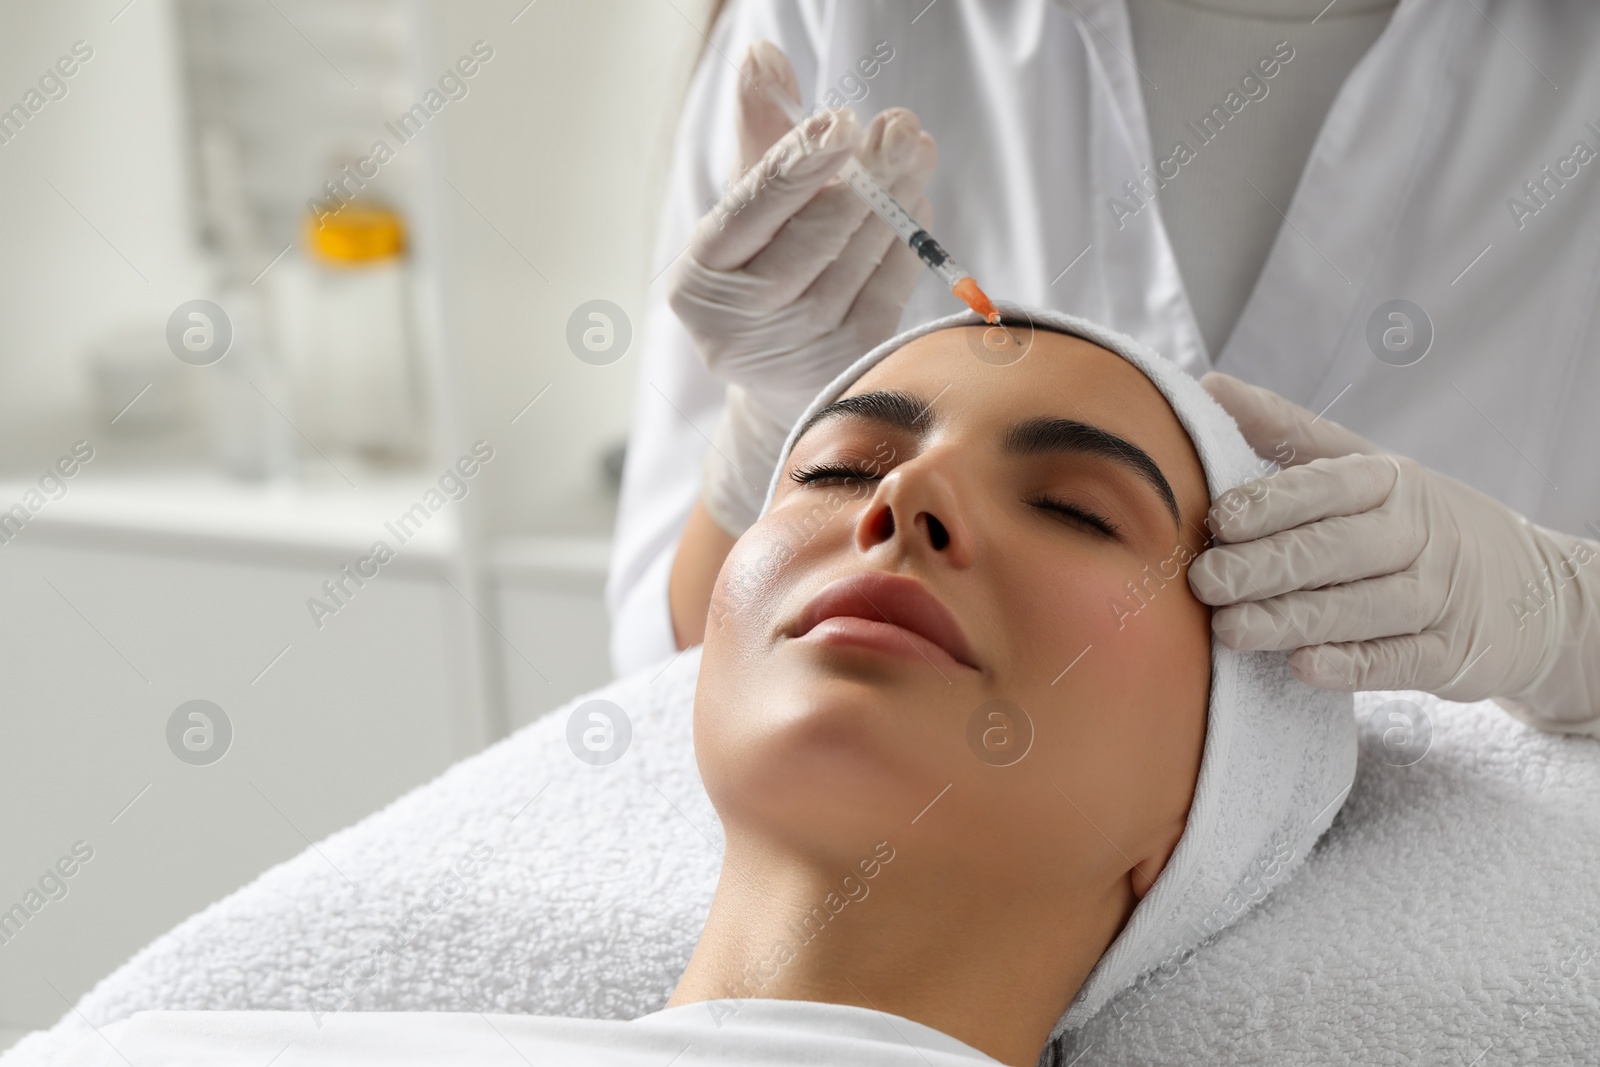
962 284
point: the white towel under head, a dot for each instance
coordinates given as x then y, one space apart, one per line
1445 918
1280 755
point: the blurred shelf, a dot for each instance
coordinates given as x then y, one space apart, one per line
285 523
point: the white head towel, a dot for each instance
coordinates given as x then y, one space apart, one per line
1280 755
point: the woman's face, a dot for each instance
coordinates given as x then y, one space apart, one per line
970 589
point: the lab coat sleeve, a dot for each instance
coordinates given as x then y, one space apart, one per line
677 403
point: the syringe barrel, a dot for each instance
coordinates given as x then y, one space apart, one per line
889 209
877 197
933 254
901 221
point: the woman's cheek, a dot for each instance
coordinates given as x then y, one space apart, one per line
813 517
750 577
767 560
1159 642
1082 601
1127 618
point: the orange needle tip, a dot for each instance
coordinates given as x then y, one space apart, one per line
975 298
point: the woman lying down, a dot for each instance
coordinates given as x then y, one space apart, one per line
958 658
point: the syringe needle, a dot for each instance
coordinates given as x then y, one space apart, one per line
1014 339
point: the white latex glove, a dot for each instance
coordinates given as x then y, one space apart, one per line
791 276
1383 574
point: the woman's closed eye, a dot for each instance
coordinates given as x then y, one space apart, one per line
1076 513
834 472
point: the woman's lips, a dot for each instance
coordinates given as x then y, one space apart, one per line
888 612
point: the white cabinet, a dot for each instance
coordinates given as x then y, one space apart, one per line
119 606
551 600
123 601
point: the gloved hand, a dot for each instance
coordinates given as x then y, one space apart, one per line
1383 574
791 276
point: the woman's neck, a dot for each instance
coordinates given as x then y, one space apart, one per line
898 930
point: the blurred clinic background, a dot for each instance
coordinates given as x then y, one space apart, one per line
281 280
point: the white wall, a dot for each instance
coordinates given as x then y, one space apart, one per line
562 146
112 147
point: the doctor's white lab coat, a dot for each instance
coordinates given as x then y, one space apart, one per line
1458 168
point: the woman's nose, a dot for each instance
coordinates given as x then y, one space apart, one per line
918 508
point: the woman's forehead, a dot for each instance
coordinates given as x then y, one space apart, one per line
1056 371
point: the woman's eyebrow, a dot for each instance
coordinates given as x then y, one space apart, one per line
899 410
1048 433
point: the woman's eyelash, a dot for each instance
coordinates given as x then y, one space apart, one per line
1079 514
817 472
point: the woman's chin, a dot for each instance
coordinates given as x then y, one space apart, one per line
832 751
